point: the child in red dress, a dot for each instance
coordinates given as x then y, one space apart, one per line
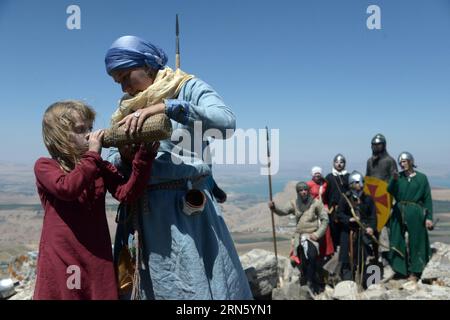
75 256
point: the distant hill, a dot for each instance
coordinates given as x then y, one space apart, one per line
245 210
17 179
257 218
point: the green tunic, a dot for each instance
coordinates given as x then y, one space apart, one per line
413 206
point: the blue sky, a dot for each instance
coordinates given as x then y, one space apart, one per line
310 68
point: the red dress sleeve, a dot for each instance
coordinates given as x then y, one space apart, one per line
324 193
119 187
67 186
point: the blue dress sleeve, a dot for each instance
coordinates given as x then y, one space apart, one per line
114 157
201 103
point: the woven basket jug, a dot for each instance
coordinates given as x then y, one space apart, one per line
155 128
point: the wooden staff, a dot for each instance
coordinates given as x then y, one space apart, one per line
271 199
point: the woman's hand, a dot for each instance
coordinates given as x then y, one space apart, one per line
95 140
133 122
429 224
369 231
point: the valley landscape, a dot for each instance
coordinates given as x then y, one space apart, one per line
246 214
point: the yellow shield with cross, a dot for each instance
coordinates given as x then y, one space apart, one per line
377 189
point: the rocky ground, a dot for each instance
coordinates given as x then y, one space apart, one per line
261 269
19 275
269 280
249 221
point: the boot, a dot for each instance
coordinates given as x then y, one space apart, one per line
346 272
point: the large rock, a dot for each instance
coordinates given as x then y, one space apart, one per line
429 292
292 291
438 268
327 294
22 271
24 291
388 274
374 292
261 269
411 286
397 294
288 273
410 290
6 288
395 284
438 292
346 290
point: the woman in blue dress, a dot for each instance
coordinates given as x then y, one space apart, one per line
184 254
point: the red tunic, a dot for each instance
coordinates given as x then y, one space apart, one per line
75 240
317 191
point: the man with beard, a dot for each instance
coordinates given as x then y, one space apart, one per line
381 165
412 214
312 222
337 184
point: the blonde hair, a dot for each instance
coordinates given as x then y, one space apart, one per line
58 124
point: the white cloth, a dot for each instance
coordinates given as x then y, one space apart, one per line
315 170
304 242
339 173
166 85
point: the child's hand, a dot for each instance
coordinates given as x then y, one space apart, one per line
127 152
95 140
153 147
150 148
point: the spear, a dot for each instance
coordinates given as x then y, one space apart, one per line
177 44
271 199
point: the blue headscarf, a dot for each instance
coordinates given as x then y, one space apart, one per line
130 51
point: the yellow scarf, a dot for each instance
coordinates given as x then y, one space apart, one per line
167 85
